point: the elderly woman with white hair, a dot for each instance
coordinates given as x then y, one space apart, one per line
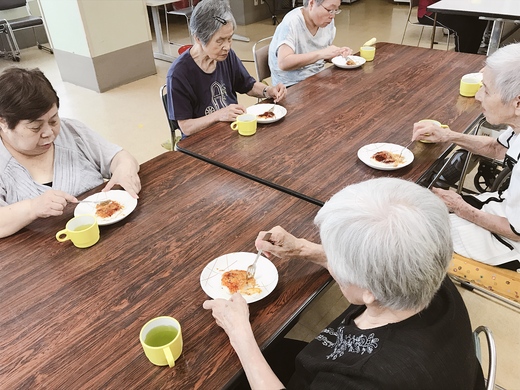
487 227
387 244
302 42
203 82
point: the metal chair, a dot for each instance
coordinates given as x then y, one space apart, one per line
9 26
492 354
413 6
175 132
186 12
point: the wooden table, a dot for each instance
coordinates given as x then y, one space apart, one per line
70 318
495 10
312 152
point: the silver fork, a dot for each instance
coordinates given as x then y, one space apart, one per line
252 268
404 147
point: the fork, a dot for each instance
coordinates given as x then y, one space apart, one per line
252 268
404 147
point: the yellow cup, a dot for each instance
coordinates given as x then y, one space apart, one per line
245 124
434 122
82 230
367 52
470 84
161 339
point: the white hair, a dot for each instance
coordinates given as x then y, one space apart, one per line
389 236
504 64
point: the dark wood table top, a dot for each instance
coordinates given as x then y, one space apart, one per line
312 152
70 318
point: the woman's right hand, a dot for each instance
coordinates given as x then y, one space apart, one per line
51 203
230 113
332 51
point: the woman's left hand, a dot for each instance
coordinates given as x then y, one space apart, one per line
231 315
124 170
451 199
277 92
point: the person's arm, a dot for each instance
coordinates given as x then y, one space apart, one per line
226 114
289 60
233 316
493 223
284 245
16 216
477 144
124 168
277 92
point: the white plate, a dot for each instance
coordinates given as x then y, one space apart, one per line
341 62
122 197
266 275
259 109
366 152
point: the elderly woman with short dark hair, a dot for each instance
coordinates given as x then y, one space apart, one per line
203 82
387 244
45 161
303 41
487 227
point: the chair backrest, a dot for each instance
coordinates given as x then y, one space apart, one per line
260 56
164 98
11 4
492 354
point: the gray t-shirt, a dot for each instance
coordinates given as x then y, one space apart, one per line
82 159
293 32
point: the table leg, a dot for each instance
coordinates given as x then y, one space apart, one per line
160 54
496 34
433 30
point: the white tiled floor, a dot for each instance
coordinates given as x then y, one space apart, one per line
132 116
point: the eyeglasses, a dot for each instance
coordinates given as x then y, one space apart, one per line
332 11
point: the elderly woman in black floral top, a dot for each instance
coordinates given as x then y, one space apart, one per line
387 244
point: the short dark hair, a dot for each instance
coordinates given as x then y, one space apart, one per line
26 95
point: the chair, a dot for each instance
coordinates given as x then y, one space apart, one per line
175 132
413 5
261 57
8 27
186 12
261 60
492 354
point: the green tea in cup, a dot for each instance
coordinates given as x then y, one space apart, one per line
160 335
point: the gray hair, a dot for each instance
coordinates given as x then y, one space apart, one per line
208 17
389 236
318 2
504 64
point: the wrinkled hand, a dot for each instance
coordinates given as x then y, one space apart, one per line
231 315
230 113
431 132
278 92
346 51
51 203
333 51
451 199
126 176
281 244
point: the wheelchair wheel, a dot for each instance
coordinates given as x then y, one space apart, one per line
502 180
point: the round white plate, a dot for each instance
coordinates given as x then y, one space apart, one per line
120 196
259 109
266 275
366 152
341 62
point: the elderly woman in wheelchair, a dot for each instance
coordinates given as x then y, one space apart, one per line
486 227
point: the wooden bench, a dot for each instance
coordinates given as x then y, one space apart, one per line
498 281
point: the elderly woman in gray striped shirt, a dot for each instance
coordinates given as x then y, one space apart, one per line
46 162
